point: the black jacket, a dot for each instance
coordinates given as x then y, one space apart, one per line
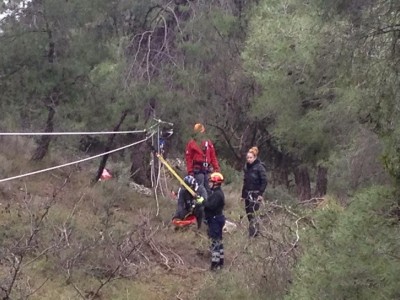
215 203
255 178
186 200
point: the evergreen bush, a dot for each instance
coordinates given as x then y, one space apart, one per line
352 253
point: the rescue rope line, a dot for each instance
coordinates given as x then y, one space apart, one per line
157 203
167 191
77 161
156 177
159 183
70 133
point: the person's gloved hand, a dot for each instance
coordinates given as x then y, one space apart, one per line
199 200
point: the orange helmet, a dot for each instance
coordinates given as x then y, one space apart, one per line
216 177
198 127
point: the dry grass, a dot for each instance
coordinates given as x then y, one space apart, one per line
106 241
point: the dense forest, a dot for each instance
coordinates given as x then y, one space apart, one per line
314 84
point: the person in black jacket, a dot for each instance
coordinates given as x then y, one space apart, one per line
189 204
213 210
254 185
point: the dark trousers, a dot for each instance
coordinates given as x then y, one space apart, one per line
215 226
251 207
202 179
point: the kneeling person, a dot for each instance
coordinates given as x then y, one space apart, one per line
189 204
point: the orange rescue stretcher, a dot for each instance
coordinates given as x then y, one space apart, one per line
191 219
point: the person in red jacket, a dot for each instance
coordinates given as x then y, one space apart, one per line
200 155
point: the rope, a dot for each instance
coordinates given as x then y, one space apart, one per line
77 161
167 191
158 205
161 187
152 171
152 166
159 178
152 177
70 133
156 176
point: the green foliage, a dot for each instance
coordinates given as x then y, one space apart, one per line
351 254
66 41
357 165
380 95
230 174
283 53
207 35
280 194
317 82
282 37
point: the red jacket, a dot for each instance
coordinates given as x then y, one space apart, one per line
196 156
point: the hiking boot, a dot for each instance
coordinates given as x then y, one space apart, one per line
215 267
254 229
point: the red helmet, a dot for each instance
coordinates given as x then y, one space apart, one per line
216 177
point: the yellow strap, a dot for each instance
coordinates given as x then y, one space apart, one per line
188 188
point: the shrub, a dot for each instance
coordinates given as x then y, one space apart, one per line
352 254
230 174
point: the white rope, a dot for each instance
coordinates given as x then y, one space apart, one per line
152 168
166 183
159 165
70 133
158 179
163 191
155 181
76 162
157 203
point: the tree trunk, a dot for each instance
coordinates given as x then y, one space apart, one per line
140 167
109 146
280 173
322 182
142 155
44 141
302 179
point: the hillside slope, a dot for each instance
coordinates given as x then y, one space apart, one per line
63 238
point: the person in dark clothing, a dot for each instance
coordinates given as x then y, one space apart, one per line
189 204
254 185
213 210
